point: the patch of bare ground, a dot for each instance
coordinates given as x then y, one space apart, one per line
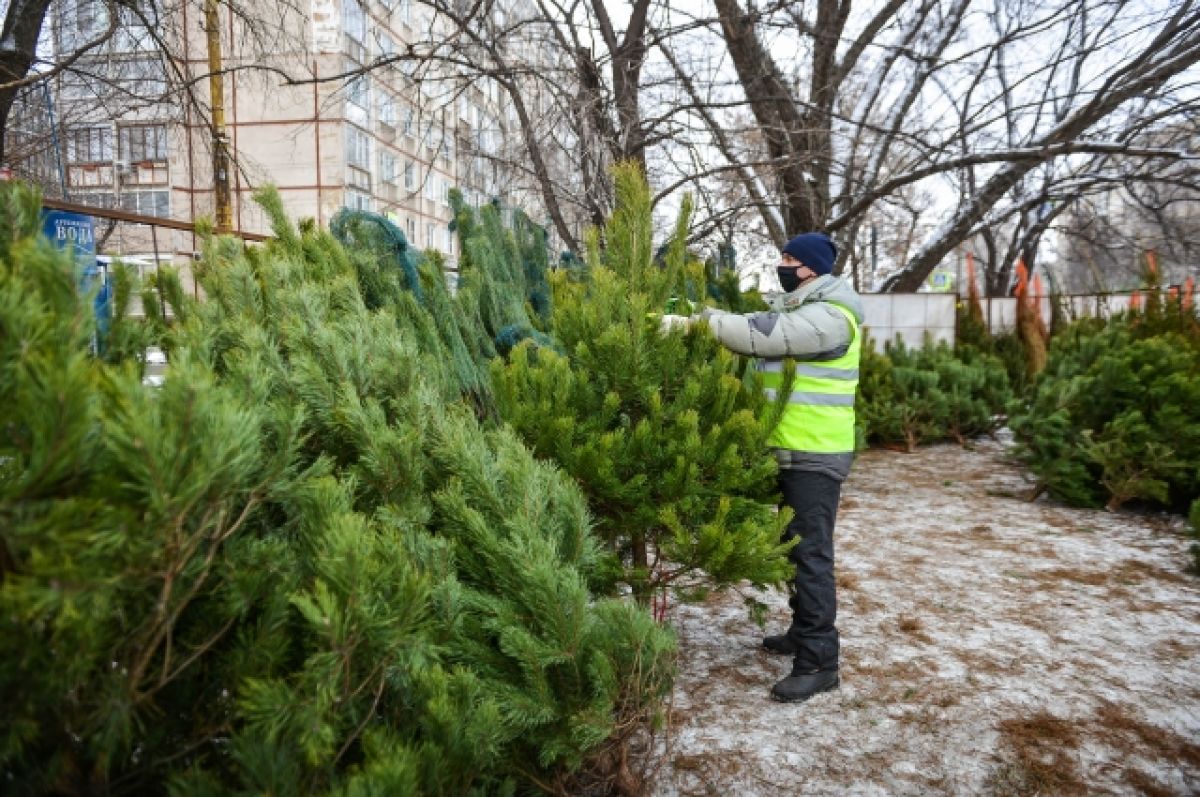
990 645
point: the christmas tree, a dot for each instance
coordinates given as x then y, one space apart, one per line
665 433
1115 416
300 565
913 396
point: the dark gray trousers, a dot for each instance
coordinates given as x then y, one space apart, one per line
813 498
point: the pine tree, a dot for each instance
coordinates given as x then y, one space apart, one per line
301 565
1116 414
915 396
665 433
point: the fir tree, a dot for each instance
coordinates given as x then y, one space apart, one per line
666 434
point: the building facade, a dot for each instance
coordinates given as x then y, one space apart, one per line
308 108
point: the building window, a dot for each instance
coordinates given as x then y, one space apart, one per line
431 188
89 22
432 136
387 110
358 92
410 231
445 191
449 240
358 148
90 145
147 203
143 143
410 176
429 235
409 125
387 167
354 21
357 200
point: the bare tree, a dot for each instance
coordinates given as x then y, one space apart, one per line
942 93
1128 211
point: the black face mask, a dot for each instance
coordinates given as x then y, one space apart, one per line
789 280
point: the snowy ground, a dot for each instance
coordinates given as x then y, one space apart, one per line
989 646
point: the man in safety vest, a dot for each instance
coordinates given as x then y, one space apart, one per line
816 321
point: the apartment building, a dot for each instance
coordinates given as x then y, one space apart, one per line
393 140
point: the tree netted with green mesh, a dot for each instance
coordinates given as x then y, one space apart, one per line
300 565
665 433
503 273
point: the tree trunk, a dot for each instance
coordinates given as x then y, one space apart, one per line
783 126
18 48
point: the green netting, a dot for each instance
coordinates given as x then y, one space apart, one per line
503 270
502 296
359 228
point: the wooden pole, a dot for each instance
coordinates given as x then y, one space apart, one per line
220 140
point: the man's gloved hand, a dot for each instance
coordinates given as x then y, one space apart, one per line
669 322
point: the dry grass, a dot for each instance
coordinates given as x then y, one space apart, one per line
738 675
1042 749
1174 650
707 768
914 628
1041 752
860 604
1076 575
847 581
980 663
1115 724
1147 785
1135 571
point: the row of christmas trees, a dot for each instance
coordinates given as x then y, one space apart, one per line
345 547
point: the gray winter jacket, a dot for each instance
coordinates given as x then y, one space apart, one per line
803 325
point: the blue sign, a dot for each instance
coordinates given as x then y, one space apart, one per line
75 233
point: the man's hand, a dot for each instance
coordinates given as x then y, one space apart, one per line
669 322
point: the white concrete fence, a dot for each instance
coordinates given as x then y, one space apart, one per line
910 316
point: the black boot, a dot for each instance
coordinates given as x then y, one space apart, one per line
779 644
800 686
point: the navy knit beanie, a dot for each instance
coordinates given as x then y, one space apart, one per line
813 249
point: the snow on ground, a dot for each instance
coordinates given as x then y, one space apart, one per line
989 646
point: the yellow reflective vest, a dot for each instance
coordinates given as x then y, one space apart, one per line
820 414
